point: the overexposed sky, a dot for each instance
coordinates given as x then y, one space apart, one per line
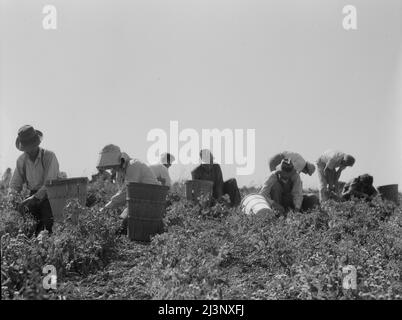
114 70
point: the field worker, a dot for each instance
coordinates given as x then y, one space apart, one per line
127 170
283 188
208 170
360 187
34 168
5 179
300 165
328 175
161 171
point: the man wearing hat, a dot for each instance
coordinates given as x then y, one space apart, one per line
329 168
283 188
300 165
160 170
34 168
127 170
208 170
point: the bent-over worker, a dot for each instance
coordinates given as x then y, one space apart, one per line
127 170
329 168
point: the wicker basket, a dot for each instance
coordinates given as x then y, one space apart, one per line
60 190
146 209
389 192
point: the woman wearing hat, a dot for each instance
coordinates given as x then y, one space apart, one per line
329 168
127 170
283 188
34 168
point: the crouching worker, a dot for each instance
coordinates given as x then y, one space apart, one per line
34 168
329 168
208 170
283 188
360 187
127 170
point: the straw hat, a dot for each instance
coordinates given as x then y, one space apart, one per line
28 138
110 156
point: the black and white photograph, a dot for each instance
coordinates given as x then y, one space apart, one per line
201 155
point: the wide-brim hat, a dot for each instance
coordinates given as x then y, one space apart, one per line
110 156
28 138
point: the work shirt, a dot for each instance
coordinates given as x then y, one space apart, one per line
161 173
330 159
211 172
297 188
35 174
298 161
134 171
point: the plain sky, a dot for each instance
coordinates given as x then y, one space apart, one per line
114 69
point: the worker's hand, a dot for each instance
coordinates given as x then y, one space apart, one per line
278 207
30 201
106 207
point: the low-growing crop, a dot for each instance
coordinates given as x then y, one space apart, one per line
208 252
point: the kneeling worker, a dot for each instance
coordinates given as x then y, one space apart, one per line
127 170
283 188
360 187
328 175
211 171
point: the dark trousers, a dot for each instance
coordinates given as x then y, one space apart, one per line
42 212
230 187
